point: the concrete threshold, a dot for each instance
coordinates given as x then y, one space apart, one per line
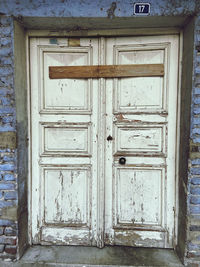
76 256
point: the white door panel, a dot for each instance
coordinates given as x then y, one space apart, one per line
81 194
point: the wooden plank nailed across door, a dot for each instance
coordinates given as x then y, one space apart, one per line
106 71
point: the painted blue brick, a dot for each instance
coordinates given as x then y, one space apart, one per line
7 110
196 130
5 31
197 91
7 81
7 186
195 190
6 41
5 51
196 120
7 61
8 158
6 101
8 119
7 167
10 231
196 111
193 246
9 177
195 170
195 161
6 70
6 222
197 70
195 209
195 199
197 100
7 128
1 194
12 195
5 20
5 204
196 139
195 181
6 92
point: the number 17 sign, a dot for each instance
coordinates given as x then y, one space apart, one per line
141 8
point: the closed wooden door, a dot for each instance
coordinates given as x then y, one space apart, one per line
103 150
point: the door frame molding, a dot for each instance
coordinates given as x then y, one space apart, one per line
101 34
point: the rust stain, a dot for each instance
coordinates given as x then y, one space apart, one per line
74 42
120 117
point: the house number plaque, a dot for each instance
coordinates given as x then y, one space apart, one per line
141 9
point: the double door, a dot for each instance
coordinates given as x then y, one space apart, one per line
103 151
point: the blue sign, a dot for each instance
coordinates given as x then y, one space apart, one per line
141 8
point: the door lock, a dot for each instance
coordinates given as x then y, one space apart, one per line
109 138
122 161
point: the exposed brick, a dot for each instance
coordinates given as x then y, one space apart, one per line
192 265
8 240
10 231
11 249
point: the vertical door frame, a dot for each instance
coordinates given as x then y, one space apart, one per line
120 32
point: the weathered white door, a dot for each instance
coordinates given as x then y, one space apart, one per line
64 128
141 117
82 131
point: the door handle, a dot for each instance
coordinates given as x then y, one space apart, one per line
122 160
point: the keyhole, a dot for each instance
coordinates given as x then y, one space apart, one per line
109 138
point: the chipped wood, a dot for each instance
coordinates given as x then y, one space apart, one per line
106 71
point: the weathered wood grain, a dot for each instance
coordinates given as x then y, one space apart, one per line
106 71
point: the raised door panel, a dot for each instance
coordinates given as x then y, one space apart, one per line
65 95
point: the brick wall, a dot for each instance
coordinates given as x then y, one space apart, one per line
8 154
